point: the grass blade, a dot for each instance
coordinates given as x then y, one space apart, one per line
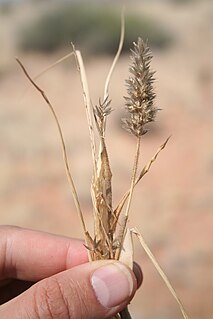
160 271
66 162
144 171
120 47
87 102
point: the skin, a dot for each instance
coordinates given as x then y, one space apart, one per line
46 276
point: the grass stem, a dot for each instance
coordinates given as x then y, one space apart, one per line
66 162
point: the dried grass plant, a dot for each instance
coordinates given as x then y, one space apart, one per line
112 239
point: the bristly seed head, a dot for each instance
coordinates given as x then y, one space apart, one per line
140 100
101 111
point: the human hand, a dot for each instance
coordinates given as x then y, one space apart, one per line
45 276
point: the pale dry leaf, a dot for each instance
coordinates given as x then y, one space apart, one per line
160 271
126 255
64 151
144 171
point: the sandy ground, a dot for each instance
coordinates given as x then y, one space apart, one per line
172 206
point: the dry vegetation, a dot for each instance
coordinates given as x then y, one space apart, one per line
111 238
175 210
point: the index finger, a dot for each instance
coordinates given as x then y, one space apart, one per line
32 255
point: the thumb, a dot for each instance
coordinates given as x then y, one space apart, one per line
93 290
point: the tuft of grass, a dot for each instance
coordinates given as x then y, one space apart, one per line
112 238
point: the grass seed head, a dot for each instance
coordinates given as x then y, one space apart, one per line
140 100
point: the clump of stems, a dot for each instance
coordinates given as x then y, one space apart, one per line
112 238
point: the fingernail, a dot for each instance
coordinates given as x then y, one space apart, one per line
113 284
138 274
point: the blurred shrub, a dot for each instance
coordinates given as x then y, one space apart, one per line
94 29
183 1
5 8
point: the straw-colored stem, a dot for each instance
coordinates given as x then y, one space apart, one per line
160 271
120 46
143 172
87 103
53 65
115 60
133 176
67 168
126 215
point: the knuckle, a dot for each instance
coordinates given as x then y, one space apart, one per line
50 301
53 300
80 301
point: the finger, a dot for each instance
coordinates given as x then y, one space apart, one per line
15 287
31 255
91 291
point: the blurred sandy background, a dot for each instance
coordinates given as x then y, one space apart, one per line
173 205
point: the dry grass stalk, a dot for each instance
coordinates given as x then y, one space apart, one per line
53 65
87 102
112 239
66 162
144 171
120 47
140 110
159 270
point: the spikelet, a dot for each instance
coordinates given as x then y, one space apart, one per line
140 100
